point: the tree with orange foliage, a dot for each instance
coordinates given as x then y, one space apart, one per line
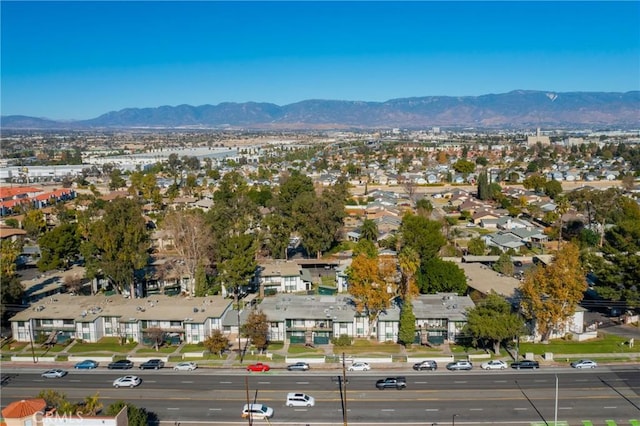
550 293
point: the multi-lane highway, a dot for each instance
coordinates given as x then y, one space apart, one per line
476 397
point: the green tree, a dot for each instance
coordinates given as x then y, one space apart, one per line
536 182
504 265
136 416
552 189
217 343
369 230
201 281
407 326
256 329
437 275
492 322
238 264
424 207
551 293
277 234
367 247
116 180
464 166
11 290
476 246
59 247
118 243
423 235
483 186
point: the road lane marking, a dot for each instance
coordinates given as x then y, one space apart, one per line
476 409
387 409
173 408
431 409
264 383
460 381
225 383
520 409
300 409
565 408
540 381
422 383
612 408
215 409
302 383
499 381
187 381
581 380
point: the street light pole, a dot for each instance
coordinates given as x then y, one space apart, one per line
555 417
453 420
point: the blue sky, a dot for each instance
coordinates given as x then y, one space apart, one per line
80 59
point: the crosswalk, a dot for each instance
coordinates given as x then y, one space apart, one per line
631 422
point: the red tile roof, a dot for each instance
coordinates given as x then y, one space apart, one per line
23 408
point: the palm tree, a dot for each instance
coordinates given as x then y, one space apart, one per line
369 230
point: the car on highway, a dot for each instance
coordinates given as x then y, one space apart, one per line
425 365
494 364
359 366
299 400
54 374
459 365
185 366
87 364
392 383
127 381
152 364
257 411
298 366
258 367
525 363
122 364
584 363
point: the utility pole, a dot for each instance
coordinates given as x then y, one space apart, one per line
238 310
33 353
344 392
555 417
246 386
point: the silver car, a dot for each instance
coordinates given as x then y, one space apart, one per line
54 374
584 363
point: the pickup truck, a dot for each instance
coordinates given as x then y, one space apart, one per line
392 382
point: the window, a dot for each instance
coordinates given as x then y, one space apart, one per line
175 324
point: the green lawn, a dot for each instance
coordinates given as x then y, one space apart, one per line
605 343
373 347
191 347
106 344
161 350
303 350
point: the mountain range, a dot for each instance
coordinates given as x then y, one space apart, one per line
516 109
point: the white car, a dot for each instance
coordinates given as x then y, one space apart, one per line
584 363
257 411
359 366
185 366
127 381
300 400
494 364
54 374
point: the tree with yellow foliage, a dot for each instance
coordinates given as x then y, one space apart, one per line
550 293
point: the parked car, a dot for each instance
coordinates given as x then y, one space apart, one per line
526 363
123 364
494 364
87 364
54 374
459 365
152 364
257 411
258 366
298 366
359 366
425 365
392 382
299 400
127 381
584 363
185 366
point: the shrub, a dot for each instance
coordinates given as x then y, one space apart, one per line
341 341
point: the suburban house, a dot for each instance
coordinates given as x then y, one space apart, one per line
89 318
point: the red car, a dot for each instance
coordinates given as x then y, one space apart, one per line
260 367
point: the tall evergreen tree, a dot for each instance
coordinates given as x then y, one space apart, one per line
407 331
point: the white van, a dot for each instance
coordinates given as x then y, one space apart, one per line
300 400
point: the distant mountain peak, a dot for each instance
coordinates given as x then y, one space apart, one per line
515 109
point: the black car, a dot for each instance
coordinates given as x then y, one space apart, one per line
392 382
298 366
123 364
152 364
525 364
425 365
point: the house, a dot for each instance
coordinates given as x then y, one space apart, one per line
34 412
89 318
280 276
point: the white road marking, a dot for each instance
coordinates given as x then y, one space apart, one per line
226 383
476 409
172 408
422 383
431 409
302 383
520 409
387 409
565 408
215 409
613 408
